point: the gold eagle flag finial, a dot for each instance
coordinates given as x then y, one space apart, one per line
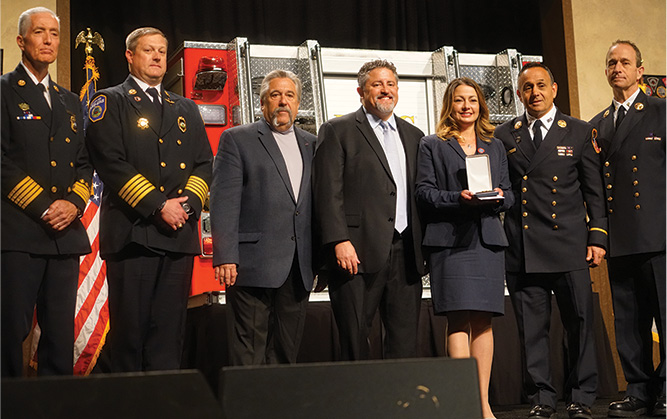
89 39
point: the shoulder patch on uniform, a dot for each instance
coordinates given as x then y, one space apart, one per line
98 107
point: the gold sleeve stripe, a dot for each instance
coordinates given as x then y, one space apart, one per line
599 229
25 192
135 190
197 186
82 190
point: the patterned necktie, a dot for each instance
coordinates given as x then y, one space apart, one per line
152 92
620 115
393 157
537 133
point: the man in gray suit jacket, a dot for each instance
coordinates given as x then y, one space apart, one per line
261 224
365 209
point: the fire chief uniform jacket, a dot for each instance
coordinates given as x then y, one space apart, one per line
634 176
554 186
43 159
143 160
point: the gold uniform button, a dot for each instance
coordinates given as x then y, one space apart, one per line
554 191
607 174
54 189
525 214
523 189
611 198
67 140
634 157
69 190
637 206
634 170
53 163
525 177
71 164
555 178
161 188
636 194
553 216
609 186
553 203
160 141
606 164
556 227
611 211
525 227
180 191
182 165
178 142
163 164
524 202
51 139
635 183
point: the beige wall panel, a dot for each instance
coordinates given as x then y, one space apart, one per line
596 24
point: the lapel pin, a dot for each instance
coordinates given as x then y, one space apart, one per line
56 88
72 122
606 113
518 125
24 106
21 82
137 98
562 123
639 106
142 123
132 92
181 124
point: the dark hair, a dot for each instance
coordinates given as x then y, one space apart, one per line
536 65
448 127
638 53
364 71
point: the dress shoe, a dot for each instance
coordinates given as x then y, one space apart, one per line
630 407
578 410
542 411
659 408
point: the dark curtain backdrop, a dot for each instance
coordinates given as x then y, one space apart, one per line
414 25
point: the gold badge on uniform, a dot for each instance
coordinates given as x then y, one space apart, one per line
562 123
181 124
606 113
137 98
639 106
518 125
142 123
24 106
21 82
132 92
72 122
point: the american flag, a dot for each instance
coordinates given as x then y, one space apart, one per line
91 322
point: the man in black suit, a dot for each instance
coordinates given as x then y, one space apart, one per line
554 170
45 187
365 209
151 151
261 206
632 138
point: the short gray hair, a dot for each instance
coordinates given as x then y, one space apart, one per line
133 38
26 18
364 72
279 74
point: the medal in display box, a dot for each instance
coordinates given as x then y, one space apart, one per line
478 170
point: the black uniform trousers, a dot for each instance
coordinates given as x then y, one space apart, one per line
50 283
394 290
268 322
148 296
638 294
531 299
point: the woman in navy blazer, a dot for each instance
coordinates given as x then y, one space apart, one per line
464 236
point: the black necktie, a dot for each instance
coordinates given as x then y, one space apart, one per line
619 116
43 90
537 133
152 92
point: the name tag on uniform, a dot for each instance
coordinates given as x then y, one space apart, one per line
565 150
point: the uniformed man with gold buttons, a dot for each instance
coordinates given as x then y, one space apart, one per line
632 138
45 186
557 229
150 149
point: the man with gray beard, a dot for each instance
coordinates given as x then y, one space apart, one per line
366 216
261 225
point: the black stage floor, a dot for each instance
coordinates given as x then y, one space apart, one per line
599 410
